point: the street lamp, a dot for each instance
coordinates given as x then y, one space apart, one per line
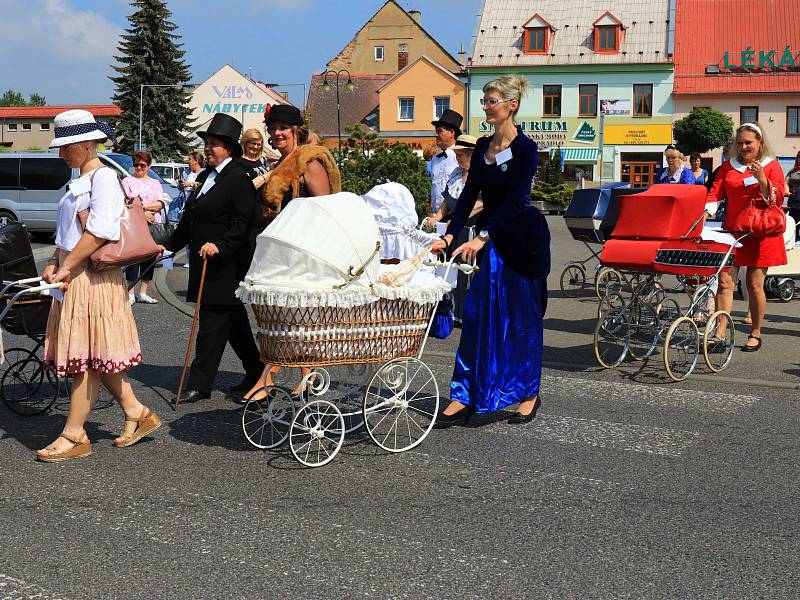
141 100
281 85
326 87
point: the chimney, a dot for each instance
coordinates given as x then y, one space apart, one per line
462 56
416 15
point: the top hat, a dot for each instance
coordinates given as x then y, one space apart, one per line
465 142
226 128
73 126
283 113
450 118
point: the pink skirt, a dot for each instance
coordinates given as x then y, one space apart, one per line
93 327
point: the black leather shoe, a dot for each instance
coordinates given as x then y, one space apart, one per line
462 414
755 348
244 385
518 417
192 396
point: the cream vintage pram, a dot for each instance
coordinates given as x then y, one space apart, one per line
315 291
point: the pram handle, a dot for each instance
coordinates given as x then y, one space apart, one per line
466 268
31 290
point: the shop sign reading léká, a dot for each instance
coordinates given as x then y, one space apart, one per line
760 60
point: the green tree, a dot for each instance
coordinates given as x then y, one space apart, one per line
362 170
550 186
150 53
702 130
14 98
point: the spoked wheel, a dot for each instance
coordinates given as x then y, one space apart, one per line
643 337
611 338
266 422
27 387
786 290
668 311
681 348
718 341
609 303
608 280
572 279
401 404
317 433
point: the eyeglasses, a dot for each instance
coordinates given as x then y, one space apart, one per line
141 165
254 144
492 101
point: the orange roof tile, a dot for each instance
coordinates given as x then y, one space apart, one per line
39 112
706 29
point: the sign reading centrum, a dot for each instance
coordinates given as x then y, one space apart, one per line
550 133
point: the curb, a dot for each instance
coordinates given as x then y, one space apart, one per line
160 281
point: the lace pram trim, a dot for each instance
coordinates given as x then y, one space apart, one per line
251 293
81 365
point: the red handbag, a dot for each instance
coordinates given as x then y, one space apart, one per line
135 243
760 221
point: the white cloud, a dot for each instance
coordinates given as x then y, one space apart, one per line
58 50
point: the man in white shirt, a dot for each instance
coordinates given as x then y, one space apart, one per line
448 128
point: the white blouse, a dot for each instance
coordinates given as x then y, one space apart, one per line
105 201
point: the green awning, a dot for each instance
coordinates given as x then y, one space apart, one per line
581 155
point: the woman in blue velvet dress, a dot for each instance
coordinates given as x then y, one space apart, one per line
499 358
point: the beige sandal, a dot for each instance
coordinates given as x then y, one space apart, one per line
81 449
148 423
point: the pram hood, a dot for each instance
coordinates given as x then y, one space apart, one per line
394 210
323 251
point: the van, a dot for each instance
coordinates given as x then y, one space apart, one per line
32 183
170 172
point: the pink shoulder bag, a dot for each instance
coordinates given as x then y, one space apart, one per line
135 243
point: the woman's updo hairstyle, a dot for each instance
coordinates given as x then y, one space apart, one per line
510 87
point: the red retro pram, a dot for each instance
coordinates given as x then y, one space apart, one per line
660 231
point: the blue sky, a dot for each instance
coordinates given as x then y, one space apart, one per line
63 49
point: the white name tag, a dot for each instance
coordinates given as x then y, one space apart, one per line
504 156
80 186
750 181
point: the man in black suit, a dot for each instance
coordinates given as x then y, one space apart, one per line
216 225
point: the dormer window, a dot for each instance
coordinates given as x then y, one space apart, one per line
537 36
607 34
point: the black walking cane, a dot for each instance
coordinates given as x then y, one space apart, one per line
191 334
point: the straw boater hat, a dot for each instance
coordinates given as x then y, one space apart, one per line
73 126
465 142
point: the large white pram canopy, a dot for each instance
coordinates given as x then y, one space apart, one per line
323 251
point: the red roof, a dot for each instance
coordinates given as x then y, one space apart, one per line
40 112
705 30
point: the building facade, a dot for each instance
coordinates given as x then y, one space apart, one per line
31 127
751 73
415 96
601 79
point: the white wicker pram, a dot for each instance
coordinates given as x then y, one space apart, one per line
315 291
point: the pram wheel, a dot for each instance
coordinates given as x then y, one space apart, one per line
400 404
572 279
644 330
608 281
718 341
611 337
266 422
681 348
609 303
317 433
27 387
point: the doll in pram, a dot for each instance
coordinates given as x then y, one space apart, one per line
322 299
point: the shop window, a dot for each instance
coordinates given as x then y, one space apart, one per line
574 172
642 99
536 36
748 114
405 109
378 53
587 100
793 120
44 174
607 34
26 127
440 104
12 126
552 100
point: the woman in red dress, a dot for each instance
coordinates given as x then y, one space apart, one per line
752 175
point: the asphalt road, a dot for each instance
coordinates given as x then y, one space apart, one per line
625 486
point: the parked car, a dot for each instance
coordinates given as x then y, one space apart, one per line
32 183
170 172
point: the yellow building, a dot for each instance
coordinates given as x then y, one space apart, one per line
388 42
415 96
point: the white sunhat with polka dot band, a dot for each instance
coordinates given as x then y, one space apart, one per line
73 126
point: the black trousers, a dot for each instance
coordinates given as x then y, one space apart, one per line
218 326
